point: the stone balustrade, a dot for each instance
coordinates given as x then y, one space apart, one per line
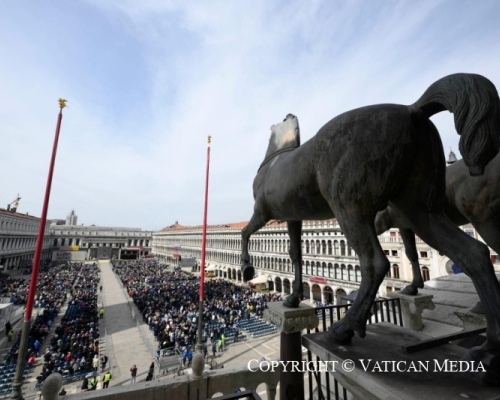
186 387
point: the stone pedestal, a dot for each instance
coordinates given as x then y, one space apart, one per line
378 367
291 322
471 320
412 308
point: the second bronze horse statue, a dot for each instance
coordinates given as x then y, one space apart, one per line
366 159
474 200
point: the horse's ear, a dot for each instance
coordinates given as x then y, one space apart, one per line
272 127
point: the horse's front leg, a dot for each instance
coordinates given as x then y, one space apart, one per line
257 221
295 233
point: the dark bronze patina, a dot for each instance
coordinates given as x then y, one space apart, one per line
372 157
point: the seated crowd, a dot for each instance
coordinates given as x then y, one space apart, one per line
50 295
168 302
75 344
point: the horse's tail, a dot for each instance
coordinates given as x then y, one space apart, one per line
474 101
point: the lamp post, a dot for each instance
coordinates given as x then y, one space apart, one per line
199 345
23 347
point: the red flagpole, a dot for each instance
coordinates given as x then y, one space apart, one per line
204 235
203 251
21 359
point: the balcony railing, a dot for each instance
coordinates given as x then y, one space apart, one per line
221 381
327 387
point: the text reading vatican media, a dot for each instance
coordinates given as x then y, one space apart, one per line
367 365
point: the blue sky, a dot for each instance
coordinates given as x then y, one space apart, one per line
147 81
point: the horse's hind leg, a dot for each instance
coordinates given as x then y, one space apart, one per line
257 221
411 252
295 233
472 257
374 265
389 218
489 229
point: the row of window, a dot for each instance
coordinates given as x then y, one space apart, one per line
13 226
323 247
20 243
79 242
98 233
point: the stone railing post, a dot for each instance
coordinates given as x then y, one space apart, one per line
412 308
471 320
291 322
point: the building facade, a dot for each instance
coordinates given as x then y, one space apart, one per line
18 236
95 242
330 266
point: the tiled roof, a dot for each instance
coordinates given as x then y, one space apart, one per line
8 212
234 225
178 226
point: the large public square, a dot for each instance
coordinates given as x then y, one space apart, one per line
127 340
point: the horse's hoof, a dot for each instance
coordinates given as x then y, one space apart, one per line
248 272
410 290
478 308
340 333
291 302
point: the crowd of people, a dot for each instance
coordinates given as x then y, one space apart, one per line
167 298
168 301
74 349
51 292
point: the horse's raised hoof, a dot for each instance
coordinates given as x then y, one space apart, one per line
340 333
248 272
484 365
478 308
410 290
292 302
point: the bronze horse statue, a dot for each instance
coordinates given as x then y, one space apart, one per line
371 157
474 200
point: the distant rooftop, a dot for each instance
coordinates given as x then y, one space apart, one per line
91 228
272 223
25 215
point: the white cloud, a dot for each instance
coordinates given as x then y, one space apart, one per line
133 142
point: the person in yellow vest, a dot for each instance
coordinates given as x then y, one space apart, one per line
10 334
105 379
93 382
101 313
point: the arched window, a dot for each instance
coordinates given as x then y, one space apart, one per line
357 270
350 271
329 247
395 271
342 248
307 246
344 272
426 274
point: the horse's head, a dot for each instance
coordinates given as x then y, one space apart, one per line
285 135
